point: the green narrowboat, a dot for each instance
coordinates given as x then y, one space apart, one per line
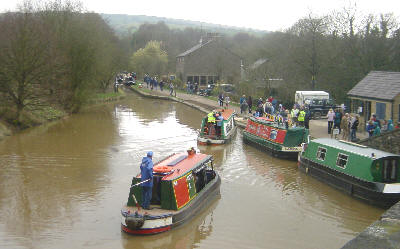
365 173
210 134
275 137
183 184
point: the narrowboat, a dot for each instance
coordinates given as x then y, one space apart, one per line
275 137
365 173
210 134
183 184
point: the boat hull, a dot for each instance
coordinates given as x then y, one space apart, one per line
274 149
202 140
159 224
375 193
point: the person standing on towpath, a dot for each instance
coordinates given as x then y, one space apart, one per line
146 170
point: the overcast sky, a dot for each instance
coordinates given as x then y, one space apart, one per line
257 14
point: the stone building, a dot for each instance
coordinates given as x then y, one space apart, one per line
208 61
379 93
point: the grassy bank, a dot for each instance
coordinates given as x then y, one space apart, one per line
38 115
107 97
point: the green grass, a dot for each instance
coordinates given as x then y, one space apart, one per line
106 96
48 113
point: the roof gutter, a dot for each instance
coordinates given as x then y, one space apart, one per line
372 98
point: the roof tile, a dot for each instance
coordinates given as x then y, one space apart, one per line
379 85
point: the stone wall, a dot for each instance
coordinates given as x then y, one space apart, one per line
388 141
384 233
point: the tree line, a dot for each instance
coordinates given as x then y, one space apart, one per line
331 52
55 54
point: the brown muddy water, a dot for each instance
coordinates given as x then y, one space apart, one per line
62 186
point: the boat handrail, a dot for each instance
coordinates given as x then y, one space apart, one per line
275 123
355 144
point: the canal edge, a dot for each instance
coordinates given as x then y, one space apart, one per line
383 233
240 124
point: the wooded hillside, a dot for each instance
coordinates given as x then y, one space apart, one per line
331 52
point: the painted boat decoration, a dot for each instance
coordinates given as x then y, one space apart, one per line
183 184
365 173
209 135
274 137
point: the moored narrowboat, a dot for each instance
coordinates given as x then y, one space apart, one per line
211 133
275 137
183 184
365 173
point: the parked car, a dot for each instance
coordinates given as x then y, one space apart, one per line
320 107
227 88
130 83
206 91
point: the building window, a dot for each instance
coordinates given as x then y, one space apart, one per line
203 80
380 111
342 160
321 153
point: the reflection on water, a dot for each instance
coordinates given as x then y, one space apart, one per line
185 236
62 186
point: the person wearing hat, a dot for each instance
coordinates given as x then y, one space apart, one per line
146 170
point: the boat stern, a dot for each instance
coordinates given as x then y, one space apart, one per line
210 141
145 224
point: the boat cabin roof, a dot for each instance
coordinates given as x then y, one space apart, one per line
226 113
181 163
353 148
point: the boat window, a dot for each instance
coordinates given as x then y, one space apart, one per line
342 160
394 169
389 170
273 134
321 153
200 179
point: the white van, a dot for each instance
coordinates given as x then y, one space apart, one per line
306 97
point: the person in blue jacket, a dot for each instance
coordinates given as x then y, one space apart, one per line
390 126
146 170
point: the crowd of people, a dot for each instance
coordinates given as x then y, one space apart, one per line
375 126
153 83
345 124
298 116
192 88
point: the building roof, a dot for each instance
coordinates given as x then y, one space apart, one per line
377 85
191 50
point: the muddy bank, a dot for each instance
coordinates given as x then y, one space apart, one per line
4 131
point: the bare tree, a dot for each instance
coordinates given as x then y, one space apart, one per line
309 32
24 58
